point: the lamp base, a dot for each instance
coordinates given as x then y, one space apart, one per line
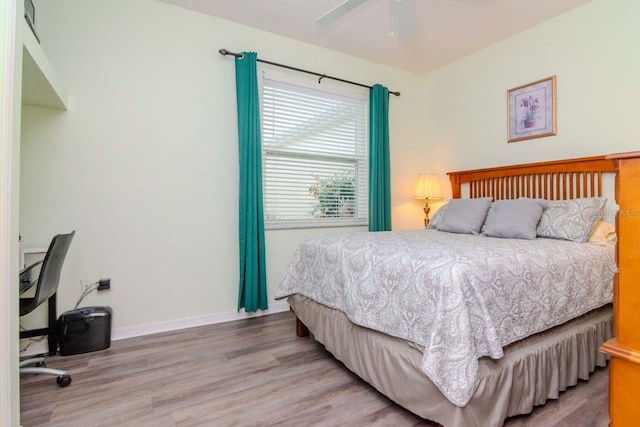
426 210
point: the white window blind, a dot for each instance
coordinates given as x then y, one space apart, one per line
314 151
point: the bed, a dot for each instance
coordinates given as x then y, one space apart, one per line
486 339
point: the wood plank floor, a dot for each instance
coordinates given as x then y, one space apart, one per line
252 372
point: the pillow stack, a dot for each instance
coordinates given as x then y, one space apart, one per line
524 218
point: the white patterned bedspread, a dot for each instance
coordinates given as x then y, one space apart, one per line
459 296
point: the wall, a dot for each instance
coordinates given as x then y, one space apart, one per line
594 52
144 164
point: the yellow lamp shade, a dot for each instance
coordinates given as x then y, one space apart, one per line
427 187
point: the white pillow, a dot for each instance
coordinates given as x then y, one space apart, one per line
603 233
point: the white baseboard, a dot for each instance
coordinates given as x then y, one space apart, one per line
190 322
169 325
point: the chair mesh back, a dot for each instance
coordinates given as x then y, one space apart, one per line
52 267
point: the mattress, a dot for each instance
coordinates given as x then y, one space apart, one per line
457 297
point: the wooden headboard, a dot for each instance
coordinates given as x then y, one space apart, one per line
554 180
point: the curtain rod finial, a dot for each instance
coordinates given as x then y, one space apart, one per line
223 52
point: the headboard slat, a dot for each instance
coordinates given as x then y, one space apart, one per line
571 185
599 184
539 190
546 186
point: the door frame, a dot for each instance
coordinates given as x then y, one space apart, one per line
9 372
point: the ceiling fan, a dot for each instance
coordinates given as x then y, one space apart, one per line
403 17
338 12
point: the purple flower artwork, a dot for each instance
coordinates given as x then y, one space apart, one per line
532 110
530 106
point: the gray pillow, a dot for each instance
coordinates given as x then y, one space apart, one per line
464 216
489 213
571 219
514 219
435 219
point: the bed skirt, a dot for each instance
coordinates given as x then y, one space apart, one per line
532 370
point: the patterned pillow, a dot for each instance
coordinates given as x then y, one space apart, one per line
435 219
571 219
465 216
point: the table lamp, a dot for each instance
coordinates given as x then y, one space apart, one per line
427 187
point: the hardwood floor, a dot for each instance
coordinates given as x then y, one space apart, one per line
253 372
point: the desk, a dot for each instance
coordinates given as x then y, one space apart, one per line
26 283
35 251
26 274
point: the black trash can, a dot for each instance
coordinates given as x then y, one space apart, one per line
84 330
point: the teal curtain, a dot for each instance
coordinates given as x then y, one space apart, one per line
379 174
253 278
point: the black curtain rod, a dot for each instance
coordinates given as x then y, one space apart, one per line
225 52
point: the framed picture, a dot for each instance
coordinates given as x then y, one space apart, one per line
532 110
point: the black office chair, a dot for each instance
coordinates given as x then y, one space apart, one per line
46 288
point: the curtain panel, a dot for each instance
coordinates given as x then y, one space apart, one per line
379 173
252 294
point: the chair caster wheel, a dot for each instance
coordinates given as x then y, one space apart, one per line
63 380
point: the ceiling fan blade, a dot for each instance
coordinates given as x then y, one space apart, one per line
338 11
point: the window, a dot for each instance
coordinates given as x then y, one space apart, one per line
314 154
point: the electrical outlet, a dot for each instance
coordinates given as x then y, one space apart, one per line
104 284
86 284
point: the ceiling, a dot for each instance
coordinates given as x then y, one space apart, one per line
433 33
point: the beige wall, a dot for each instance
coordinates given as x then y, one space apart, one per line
144 164
594 52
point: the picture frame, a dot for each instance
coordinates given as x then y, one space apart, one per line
531 110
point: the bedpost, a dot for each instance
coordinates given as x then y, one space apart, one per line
456 192
301 329
624 348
